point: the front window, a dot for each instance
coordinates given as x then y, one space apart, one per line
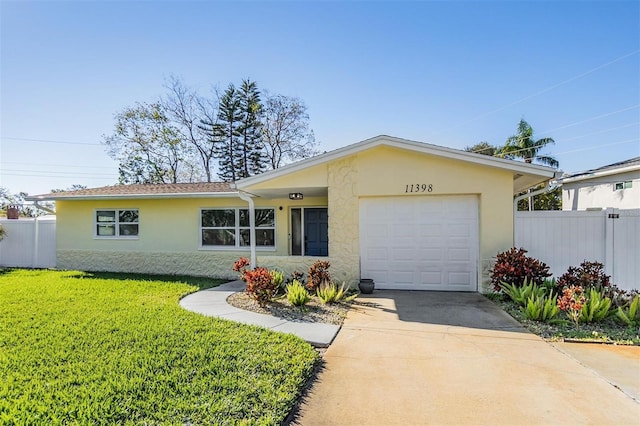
116 223
230 228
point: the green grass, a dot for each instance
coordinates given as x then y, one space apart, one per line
81 348
607 331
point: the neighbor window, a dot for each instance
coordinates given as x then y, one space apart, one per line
230 228
116 223
622 185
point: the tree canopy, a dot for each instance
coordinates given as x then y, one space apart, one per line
523 145
186 137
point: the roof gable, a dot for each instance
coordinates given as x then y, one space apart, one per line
519 169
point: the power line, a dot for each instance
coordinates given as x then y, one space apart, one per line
56 165
61 176
593 118
554 86
598 146
601 131
51 141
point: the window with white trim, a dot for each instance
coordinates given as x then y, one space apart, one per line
229 228
622 185
116 223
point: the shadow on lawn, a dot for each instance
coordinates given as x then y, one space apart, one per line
201 282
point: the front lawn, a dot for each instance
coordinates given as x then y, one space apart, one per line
89 348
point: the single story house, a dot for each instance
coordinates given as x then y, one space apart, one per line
615 185
407 214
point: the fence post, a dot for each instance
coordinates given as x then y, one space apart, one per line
609 224
36 238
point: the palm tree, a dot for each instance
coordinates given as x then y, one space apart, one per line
522 145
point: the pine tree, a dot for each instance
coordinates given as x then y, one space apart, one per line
226 133
250 152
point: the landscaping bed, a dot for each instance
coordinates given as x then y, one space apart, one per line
313 311
82 348
608 331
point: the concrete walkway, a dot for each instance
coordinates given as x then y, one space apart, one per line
414 358
213 302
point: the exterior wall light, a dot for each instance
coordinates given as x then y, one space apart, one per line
296 196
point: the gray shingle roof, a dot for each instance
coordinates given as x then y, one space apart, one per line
619 165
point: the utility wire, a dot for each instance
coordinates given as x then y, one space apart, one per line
554 86
50 141
56 165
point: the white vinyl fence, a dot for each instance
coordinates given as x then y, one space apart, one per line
29 243
567 238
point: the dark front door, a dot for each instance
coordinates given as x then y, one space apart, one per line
316 232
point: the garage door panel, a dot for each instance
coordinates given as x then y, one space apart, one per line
459 254
459 278
430 254
430 278
428 230
377 254
424 242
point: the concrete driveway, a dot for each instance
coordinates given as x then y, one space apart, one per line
412 358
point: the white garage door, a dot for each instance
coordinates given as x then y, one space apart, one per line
420 242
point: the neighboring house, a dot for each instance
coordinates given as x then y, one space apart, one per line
409 215
616 185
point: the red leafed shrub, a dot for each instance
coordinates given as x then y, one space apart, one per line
241 265
571 301
318 273
514 266
260 285
589 275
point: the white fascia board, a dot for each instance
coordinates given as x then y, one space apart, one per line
135 196
422 147
594 175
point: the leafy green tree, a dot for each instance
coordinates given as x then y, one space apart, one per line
146 145
484 148
551 200
286 135
523 145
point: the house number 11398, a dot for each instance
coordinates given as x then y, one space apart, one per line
418 187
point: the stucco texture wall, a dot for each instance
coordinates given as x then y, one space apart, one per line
600 193
169 236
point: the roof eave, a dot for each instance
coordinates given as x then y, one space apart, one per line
595 174
132 196
501 163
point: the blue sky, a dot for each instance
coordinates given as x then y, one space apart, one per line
447 73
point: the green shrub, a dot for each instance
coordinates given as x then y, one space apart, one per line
596 308
297 295
277 279
515 267
630 314
541 308
521 294
329 292
318 274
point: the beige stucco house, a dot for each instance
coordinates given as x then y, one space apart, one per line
409 215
